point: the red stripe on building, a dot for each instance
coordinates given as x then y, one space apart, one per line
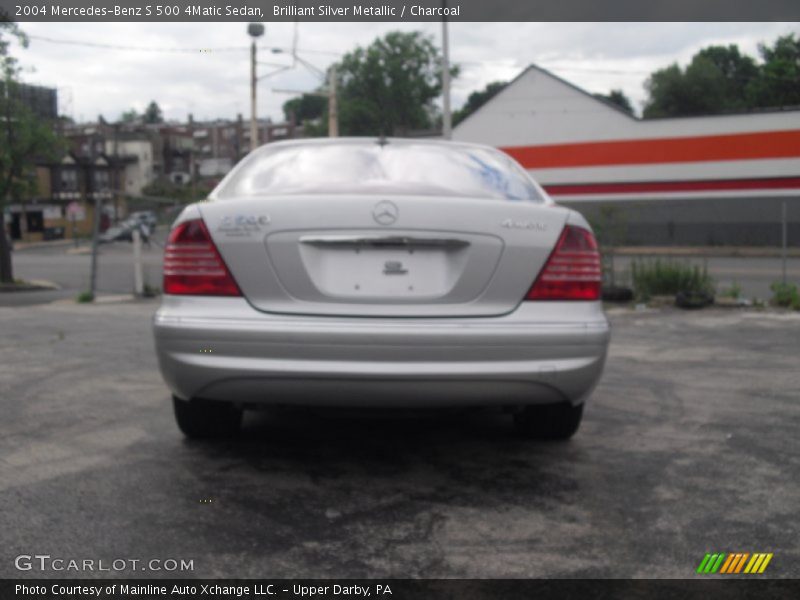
674 186
738 146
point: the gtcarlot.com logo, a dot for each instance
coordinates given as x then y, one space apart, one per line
45 562
734 563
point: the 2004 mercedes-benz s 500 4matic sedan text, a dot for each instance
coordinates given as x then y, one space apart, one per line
363 272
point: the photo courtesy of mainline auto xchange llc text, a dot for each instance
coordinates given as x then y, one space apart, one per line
193 590
399 300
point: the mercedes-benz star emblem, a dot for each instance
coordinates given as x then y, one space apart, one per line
385 212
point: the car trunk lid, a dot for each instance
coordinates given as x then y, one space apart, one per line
361 255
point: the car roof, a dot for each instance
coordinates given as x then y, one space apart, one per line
356 140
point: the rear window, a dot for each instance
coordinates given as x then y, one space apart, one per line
390 168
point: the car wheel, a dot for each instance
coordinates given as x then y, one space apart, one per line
549 421
206 418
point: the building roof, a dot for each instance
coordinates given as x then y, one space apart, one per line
603 101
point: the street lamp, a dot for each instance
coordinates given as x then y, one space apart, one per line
255 31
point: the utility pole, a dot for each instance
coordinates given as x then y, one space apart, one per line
255 30
784 241
95 234
253 118
117 183
191 156
333 109
447 123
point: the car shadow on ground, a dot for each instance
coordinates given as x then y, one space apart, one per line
436 454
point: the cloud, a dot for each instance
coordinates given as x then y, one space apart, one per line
92 81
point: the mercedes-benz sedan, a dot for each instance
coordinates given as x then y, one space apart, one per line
364 272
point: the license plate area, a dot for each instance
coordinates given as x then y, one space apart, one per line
373 272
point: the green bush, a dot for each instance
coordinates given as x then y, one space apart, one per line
84 297
735 291
663 278
785 294
150 291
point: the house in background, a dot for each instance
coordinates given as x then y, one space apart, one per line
64 203
220 144
114 163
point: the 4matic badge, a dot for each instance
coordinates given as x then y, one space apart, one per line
242 225
523 224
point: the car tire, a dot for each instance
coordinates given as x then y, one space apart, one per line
206 418
549 421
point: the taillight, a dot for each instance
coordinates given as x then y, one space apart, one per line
192 264
573 270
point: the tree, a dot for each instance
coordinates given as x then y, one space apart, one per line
24 138
129 116
618 98
389 87
477 99
721 79
152 114
715 81
308 107
778 83
309 110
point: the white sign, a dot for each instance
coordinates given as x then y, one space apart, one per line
76 212
51 212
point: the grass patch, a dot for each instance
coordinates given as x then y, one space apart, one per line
785 295
84 297
734 291
666 278
150 291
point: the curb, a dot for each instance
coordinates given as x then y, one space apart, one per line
30 285
708 251
51 244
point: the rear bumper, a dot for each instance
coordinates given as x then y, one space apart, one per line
223 349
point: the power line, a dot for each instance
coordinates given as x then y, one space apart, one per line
307 51
50 40
172 49
179 50
466 63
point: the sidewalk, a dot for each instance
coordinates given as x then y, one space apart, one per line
84 246
720 251
47 244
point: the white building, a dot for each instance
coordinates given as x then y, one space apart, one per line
696 180
139 170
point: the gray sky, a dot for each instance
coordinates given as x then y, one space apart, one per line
215 83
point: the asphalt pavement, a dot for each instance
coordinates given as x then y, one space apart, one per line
689 445
70 267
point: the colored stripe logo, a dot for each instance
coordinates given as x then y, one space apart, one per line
734 563
735 146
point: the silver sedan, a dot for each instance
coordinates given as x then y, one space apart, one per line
388 272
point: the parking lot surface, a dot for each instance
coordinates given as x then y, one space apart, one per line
689 445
